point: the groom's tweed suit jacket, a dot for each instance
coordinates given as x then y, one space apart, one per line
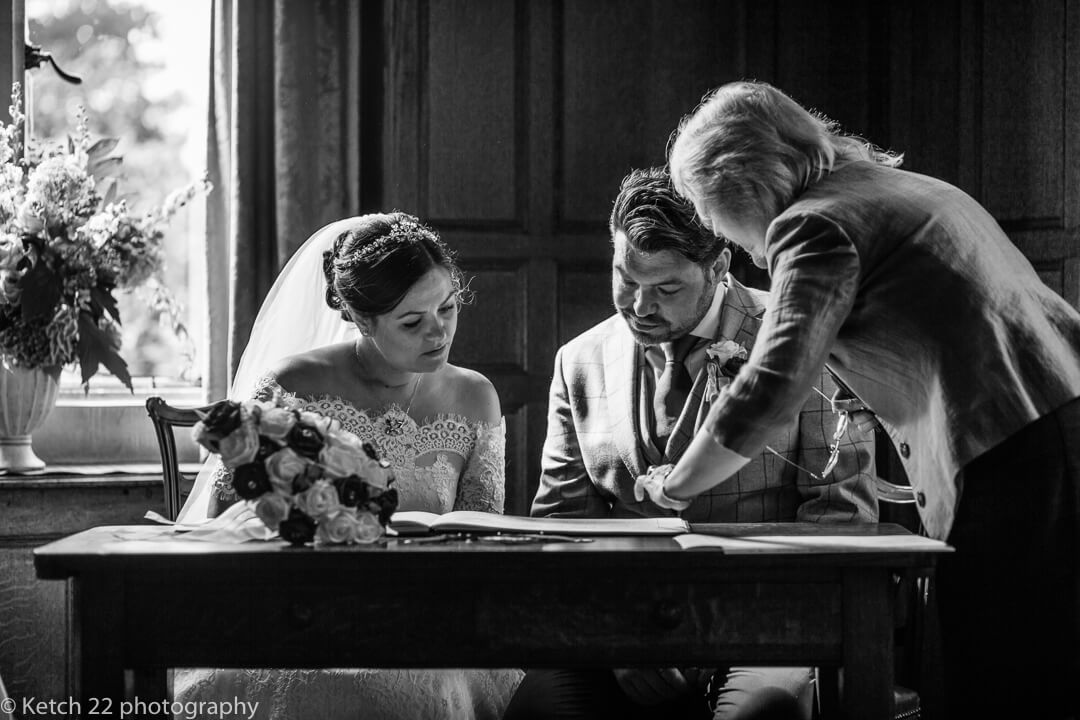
595 447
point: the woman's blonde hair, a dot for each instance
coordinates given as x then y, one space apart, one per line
752 149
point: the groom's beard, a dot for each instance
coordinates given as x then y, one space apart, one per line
666 330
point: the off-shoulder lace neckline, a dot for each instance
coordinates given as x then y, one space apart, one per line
374 415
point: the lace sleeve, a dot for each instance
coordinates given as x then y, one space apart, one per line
483 481
222 494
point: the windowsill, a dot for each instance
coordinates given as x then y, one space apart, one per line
64 499
108 391
109 424
91 475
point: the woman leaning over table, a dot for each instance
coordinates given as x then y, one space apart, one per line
918 301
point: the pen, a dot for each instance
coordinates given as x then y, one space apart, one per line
515 538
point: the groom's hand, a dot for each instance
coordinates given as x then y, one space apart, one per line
652 484
651 686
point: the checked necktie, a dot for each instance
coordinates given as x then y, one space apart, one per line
672 388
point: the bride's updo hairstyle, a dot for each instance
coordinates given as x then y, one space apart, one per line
373 265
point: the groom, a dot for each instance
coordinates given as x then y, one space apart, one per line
629 394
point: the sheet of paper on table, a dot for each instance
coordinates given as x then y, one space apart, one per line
411 522
747 544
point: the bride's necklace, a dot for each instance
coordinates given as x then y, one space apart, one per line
395 425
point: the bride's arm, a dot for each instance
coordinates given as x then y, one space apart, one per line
483 481
482 485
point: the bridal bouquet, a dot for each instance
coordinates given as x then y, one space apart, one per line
65 249
309 479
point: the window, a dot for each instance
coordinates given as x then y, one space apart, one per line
144 66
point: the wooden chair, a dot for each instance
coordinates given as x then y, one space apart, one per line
166 419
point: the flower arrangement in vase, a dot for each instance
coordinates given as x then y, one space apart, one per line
65 249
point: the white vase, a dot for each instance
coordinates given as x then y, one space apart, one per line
28 397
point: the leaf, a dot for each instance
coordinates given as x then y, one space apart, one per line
97 348
40 291
104 167
102 299
101 148
110 194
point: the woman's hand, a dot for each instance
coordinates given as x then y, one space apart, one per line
652 483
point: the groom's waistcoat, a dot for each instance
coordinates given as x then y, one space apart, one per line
596 447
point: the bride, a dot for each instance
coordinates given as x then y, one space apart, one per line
392 279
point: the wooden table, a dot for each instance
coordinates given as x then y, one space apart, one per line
144 602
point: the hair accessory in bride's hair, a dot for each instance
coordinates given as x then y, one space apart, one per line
401 232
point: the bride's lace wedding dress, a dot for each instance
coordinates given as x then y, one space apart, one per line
441 464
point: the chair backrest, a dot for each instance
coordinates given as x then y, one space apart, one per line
166 418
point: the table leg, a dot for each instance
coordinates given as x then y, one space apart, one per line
149 693
98 670
868 644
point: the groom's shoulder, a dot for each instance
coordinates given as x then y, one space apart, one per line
593 339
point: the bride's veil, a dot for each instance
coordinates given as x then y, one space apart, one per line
293 318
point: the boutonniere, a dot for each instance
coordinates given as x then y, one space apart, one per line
722 362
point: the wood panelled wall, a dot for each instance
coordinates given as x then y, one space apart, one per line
508 124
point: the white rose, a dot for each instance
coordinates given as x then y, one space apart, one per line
283 467
272 508
339 527
318 499
240 446
276 423
315 420
341 460
368 528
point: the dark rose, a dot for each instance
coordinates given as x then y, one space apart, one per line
731 367
307 478
221 421
298 528
305 441
250 480
351 491
267 447
223 418
384 504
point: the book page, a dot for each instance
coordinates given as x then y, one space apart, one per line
472 521
746 544
412 522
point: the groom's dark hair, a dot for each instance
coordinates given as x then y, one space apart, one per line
654 217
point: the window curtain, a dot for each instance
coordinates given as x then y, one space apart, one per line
283 151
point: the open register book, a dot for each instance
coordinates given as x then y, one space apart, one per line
417 522
809 538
